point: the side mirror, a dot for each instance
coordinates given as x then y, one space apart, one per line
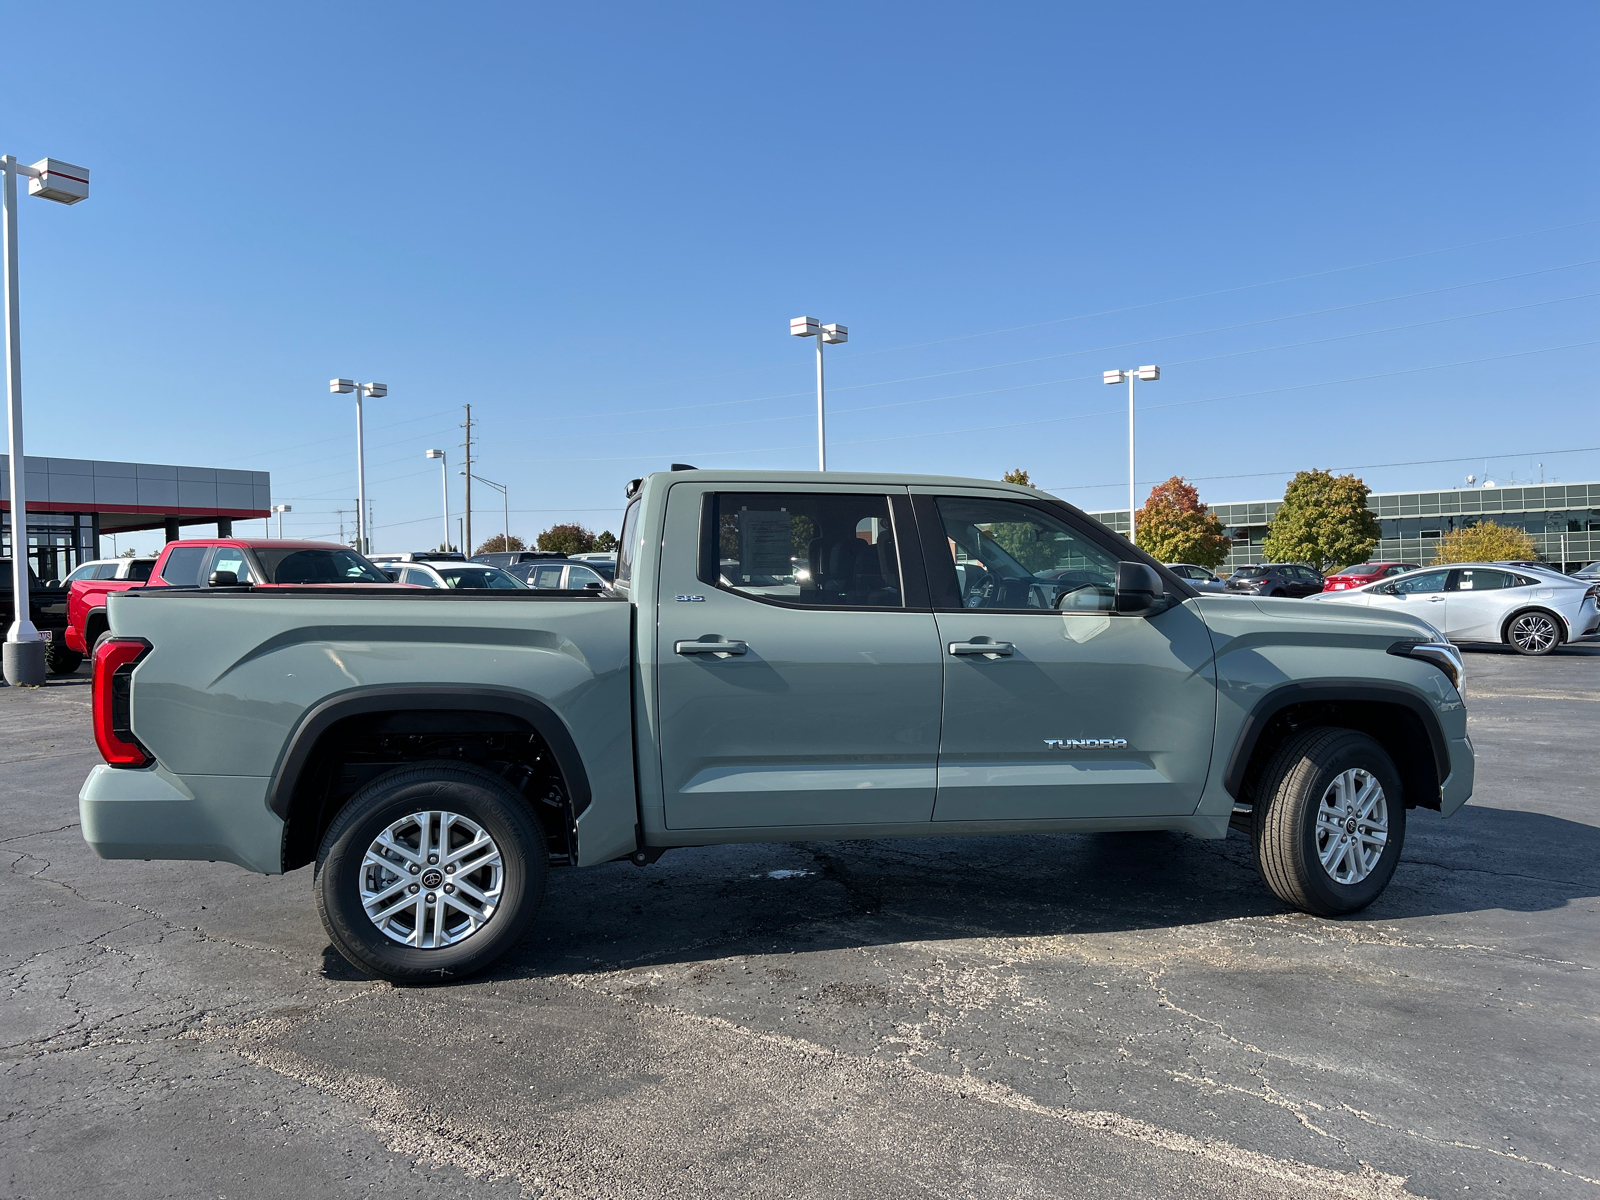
224 579
594 587
1139 588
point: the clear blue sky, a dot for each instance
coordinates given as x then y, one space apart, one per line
1356 234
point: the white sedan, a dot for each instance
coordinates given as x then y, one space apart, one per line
1531 609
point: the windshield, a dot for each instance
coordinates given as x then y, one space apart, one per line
333 565
478 578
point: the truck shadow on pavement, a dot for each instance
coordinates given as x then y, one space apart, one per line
711 902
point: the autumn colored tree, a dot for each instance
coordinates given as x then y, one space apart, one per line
567 539
1017 476
1174 526
606 543
499 544
1324 521
1486 541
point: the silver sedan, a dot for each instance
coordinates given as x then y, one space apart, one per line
1531 609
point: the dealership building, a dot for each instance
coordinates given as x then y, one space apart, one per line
74 502
1564 519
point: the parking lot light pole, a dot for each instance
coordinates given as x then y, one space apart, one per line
370 391
24 662
280 509
832 335
444 479
1149 375
505 500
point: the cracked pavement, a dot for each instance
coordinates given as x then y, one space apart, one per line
1094 1016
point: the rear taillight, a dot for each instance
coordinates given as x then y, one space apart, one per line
114 661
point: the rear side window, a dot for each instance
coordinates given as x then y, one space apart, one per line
819 548
627 548
182 568
140 571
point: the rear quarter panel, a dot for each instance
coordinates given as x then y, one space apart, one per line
230 675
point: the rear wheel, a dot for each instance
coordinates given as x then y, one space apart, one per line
1329 821
60 658
1534 633
430 873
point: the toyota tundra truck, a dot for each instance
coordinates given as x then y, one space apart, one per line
782 657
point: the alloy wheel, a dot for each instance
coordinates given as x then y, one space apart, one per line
1352 826
1534 633
431 879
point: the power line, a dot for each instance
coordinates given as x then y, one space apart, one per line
1415 462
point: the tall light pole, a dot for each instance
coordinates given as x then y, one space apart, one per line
280 509
372 391
1149 375
505 499
24 660
832 335
444 479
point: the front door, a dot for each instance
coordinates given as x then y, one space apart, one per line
1056 706
1422 594
798 682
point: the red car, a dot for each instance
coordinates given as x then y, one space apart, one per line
1364 573
220 562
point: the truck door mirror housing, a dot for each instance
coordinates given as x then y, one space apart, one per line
224 579
1139 588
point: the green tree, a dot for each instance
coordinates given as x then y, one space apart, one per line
1323 521
606 543
567 539
1486 541
1174 526
1017 476
499 543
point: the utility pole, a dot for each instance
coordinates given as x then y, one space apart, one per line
339 512
466 544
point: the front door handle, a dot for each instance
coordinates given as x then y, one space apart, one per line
999 649
1435 599
711 647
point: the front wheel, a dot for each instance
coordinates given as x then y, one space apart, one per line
1533 633
1329 822
430 873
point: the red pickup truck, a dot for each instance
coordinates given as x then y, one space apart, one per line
220 562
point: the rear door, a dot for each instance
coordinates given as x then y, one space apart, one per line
1055 706
798 664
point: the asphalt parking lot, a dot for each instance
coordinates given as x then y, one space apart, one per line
1097 1016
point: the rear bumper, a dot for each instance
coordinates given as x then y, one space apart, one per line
151 813
1458 787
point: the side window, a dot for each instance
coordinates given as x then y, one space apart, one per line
1011 555
1427 581
231 558
1482 579
183 565
810 548
139 572
579 578
626 549
546 576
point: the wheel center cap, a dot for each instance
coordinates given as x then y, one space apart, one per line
1349 827
432 877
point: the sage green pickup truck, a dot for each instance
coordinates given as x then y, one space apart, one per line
783 657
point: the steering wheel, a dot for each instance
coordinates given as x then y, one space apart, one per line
981 593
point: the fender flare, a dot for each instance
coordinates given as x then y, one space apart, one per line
1356 691
356 702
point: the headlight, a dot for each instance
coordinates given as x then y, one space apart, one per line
1441 654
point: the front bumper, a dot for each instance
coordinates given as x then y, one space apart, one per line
1457 788
151 813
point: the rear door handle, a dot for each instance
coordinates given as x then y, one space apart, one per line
1001 649
711 647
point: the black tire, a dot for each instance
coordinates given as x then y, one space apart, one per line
61 659
471 792
1287 833
1534 632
